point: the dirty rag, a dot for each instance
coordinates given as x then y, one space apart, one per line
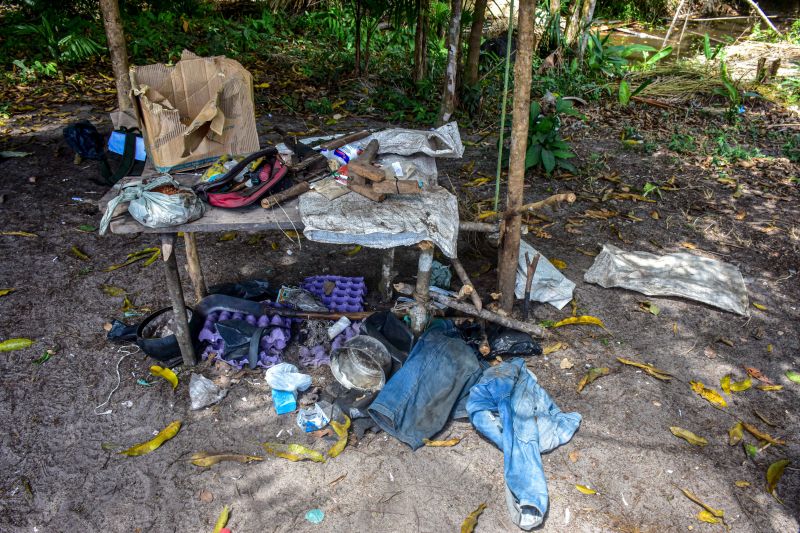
702 279
417 401
549 284
510 408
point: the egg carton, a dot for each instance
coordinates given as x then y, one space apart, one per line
347 295
272 344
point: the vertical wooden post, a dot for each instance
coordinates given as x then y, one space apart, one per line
193 265
419 313
387 274
175 289
474 43
509 253
453 43
117 50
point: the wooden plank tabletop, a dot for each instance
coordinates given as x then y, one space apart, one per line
254 218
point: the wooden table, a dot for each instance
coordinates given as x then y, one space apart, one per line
254 219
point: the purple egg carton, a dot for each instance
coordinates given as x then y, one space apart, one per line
277 337
346 297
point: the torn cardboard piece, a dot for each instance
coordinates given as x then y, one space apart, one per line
680 274
195 111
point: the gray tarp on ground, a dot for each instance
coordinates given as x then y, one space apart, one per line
549 284
680 274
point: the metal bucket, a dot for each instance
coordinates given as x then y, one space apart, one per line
361 363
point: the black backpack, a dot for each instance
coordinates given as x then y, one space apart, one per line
87 142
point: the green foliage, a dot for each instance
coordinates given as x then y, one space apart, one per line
614 60
546 147
682 143
729 90
36 70
791 148
64 43
634 10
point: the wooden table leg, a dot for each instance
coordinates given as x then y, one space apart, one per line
419 313
387 274
173 279
193 264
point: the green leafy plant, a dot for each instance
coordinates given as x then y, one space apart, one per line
625 93
614 60
546 147
709 53
682 143
791 148
729 90
650 188
36 70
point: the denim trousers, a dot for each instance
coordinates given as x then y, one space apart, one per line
429 388
509 407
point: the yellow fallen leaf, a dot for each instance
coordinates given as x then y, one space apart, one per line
477 182
486 214
688 436
741 483
341 432
725 384
293 452
165 373
550 348
292 234
764 419
227 236
353 251
774 474
689 245
584 489
584 320
757 433
649 369
769 348
146 447
769 387
740 386
592 375
469 523
19 234
10 345
654 215
558 263
77 252
566 364
759 306
712 396
4 292
719 513
264 85
441 443
222 520
206 459
735 434
706 516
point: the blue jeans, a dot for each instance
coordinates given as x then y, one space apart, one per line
417 401
512 410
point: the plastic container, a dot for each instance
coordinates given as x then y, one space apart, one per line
284 401
362 363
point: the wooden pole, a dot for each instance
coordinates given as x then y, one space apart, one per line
453 41
509 253
763 16
387 274
672 24
474 43
419 313
173 279
466 282
193 266
118 51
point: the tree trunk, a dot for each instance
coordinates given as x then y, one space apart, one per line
474 43
573 23
453 38
118 51
359 16
421 42
586 21
509 253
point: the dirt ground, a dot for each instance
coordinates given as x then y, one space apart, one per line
59 472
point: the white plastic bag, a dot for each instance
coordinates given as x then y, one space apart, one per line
203 392
287 377
155 209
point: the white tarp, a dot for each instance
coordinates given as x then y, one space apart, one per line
680 274
549 284
444 142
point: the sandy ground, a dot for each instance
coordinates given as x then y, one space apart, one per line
57 475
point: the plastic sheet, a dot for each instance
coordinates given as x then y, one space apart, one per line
680 274
203 392
549 284
444 142
287 377
155 209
